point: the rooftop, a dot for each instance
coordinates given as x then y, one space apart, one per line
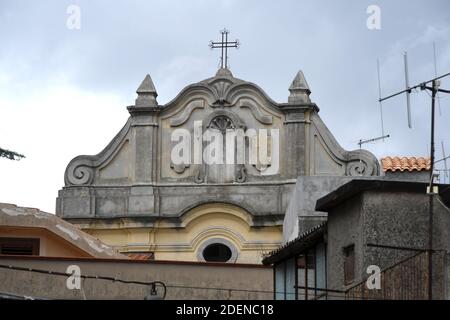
291 248
356 186
22 217
405 164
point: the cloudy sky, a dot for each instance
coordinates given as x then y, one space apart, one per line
63 92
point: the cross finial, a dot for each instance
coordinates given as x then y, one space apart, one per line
224 45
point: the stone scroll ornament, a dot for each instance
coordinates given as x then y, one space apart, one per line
361 167
357 168
79 173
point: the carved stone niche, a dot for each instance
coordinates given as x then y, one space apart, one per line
222 120
221 123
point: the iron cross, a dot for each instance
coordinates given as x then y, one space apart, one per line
224 45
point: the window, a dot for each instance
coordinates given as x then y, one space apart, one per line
217 252
311 273
280 281
306 275
349 264
19 246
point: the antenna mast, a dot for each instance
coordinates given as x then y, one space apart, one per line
361 142
408 90
435 74
379 98
432 190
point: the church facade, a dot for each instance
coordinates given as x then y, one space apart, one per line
160 188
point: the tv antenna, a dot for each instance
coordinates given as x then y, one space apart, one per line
435 74
361 142
433 86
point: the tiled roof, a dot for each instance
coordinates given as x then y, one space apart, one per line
405 164
268 259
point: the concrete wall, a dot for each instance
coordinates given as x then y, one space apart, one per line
416 176
300 214
345 227
385 218
184 280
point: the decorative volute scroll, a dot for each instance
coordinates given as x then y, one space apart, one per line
353 163
82 169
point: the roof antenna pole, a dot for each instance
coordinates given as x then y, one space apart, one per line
444 157
408 89
432 85
435 74
379 98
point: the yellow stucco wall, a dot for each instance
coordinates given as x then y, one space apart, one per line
201 225
50 245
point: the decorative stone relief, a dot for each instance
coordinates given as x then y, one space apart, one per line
221 123
256 112
179 168
79 174
241 173
186 113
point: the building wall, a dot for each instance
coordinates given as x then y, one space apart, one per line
344 228
402 219
200 226
394 219
301 214
184 280
385 218
415 176
133 182
50 244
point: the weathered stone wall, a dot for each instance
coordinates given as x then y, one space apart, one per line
301 214
184 280
344 228
386 218
134 175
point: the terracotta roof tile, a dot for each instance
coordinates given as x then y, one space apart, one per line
405 164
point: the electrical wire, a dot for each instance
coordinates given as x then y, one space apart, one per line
343 295
64 274
438 198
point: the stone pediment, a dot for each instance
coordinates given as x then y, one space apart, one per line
222 90
136 168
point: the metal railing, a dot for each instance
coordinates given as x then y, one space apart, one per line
405 280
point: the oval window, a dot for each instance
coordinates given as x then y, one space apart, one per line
217 252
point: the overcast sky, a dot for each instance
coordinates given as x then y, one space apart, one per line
64 92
